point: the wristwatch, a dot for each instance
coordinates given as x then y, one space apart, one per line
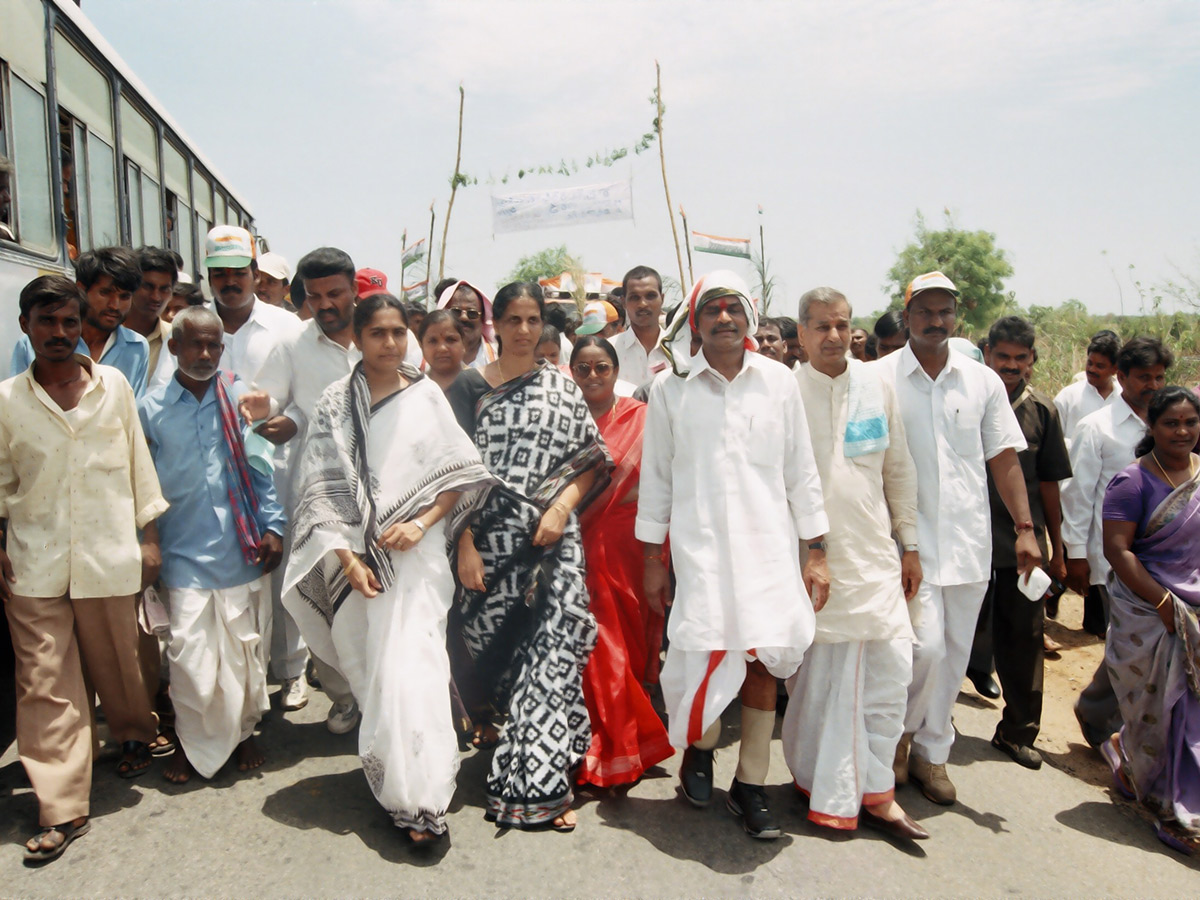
818 545
910 548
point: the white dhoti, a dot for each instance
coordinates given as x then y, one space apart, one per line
218 661
698 685
944 620
844 718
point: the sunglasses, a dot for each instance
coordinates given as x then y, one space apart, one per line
471 314
583 370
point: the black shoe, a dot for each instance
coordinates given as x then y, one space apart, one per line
749 803
1021 753
695 776
984 683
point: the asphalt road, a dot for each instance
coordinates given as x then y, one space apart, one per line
307 825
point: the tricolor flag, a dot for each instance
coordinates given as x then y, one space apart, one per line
412 253
726 246
416 292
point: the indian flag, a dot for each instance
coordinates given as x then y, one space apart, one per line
416 292
412 253
726 246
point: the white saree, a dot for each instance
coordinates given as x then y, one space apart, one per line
362 470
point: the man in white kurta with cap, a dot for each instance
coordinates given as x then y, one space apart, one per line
728 473
846 712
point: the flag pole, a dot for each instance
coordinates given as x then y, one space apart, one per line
662 158
687 242
454 182
403 247
762 252
429 249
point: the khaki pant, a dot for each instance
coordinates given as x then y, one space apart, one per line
53 639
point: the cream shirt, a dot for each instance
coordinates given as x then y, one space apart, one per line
162 363
728 471
1104 445
75 488
954 425
868 499
637 366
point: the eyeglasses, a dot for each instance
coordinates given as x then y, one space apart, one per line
583 370
471 314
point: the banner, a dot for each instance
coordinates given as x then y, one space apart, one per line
565 206
412 253
726 246
416 292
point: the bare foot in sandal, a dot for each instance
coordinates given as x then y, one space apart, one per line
486 736
422 837
566 822
179 770
248 755
49 843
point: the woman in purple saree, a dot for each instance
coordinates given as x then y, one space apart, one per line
1152 541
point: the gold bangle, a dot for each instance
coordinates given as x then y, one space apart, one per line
1165 597
354 561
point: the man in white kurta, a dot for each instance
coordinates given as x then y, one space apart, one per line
1095 390
958 423
846 712
728 473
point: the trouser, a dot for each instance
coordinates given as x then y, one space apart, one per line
8 692
289 653
844 719
1095 609
944 618
54 638
1097 709
1010 631
333 682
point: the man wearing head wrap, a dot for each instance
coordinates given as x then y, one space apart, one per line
474 312
959 426
728 472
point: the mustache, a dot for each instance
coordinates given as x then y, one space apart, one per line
58 343
935 330
231 289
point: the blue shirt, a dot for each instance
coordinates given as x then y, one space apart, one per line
129 353
197 535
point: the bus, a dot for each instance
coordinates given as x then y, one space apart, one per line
97 160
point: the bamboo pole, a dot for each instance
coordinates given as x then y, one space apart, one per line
429 253
687 242
403 248
462 96
662 158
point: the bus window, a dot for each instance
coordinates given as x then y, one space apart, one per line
32 201
222 210
152 222
72 152
133 194
139 144
185 248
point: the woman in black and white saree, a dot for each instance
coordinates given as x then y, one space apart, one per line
523 612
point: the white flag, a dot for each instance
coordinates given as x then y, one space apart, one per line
726 246
563 206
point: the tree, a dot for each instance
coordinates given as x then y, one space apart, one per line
549 263
970 259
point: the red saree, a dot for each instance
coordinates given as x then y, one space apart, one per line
628 737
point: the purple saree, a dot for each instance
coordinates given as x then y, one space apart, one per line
1156 675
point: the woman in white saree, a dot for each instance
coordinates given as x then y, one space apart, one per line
368 580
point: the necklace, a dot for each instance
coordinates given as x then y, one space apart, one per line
1168 478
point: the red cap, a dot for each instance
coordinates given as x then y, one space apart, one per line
369 282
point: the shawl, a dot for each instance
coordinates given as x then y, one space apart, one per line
338 505
866 418
243 502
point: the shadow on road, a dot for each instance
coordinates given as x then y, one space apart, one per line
711 837
1111 821
343 804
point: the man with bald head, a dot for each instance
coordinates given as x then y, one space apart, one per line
220 540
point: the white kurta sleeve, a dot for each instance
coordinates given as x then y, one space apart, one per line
899 472
806 501
658 452
1001 430
1083 490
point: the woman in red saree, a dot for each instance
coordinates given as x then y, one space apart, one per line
628 737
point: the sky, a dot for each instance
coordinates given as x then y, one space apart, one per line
1067 129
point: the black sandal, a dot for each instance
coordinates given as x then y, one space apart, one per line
132 753
69 832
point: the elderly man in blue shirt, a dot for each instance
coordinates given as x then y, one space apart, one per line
220 540
108 276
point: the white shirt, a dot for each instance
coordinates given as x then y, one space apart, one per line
638 366
1104 445
246 349
728 471
300 367
954 425
868 498
1078 400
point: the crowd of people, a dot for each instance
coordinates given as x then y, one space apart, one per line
512 526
